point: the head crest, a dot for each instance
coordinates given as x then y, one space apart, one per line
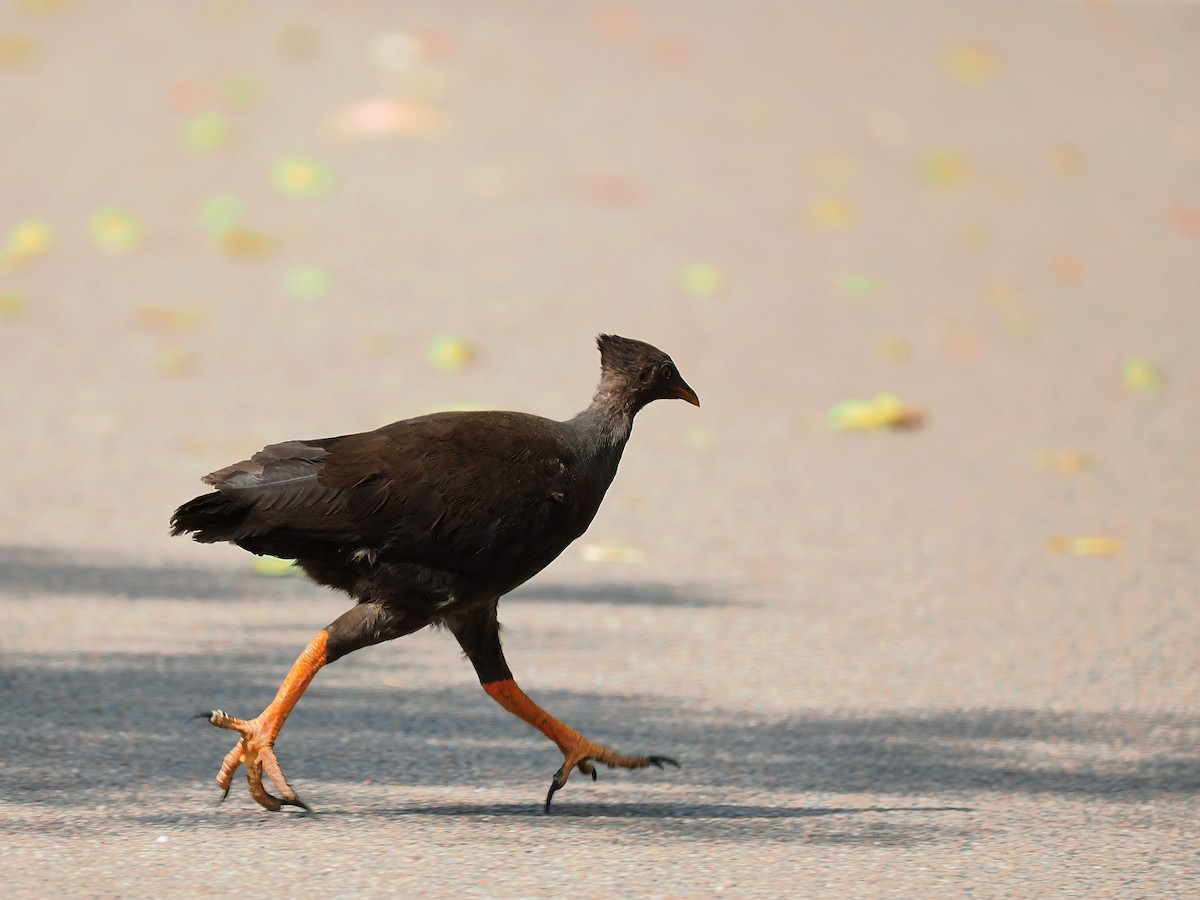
625 353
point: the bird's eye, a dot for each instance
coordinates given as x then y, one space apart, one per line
666 373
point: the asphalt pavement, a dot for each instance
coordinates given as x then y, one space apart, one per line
912 596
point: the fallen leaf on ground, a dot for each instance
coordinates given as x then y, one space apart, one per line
1095 545
12 305
169 318
884 411
857 285
173 362
946 169
309 283
299 177
274 567
1141 377
971 64
831 214
613 553
206 132
116 230
1062 463
893 349
245 243
449 352
27 240
700 280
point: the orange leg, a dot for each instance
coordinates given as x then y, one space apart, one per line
256 748
578 752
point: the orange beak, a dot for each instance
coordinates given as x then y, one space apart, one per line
683 392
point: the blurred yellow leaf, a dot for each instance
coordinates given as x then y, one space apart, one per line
206 132
274 567
946 169
971 64
449 353
299 177
1141 377
309 283
244 243
172 361
16 51
1088 546
884 411
612 553
1063 463
12 305
26 240
893 349
831 214
858 285
700 280
116 230
169 318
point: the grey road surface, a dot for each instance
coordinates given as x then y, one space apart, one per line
961 658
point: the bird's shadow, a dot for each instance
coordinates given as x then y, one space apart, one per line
740 812
684 596
112 726
899 825
107 731
31 572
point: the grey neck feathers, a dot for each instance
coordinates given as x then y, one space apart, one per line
605 425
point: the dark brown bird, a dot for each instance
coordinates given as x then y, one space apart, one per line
429 521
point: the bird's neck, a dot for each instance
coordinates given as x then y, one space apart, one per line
605 425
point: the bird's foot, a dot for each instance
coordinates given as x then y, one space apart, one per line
256 751
583 754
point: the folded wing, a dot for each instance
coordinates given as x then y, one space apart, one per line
457 491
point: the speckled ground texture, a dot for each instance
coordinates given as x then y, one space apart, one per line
961 658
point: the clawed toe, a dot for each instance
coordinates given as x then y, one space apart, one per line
586 755
554 786
255 750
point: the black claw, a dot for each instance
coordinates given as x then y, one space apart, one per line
658 761
594 775
554 786
224 794
300 803
202 715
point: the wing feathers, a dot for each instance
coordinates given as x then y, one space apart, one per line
439 490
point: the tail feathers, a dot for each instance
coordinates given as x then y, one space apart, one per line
210 518
214 517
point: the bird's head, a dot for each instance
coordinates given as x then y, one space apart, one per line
640 371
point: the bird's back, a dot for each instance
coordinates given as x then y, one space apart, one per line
488 496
